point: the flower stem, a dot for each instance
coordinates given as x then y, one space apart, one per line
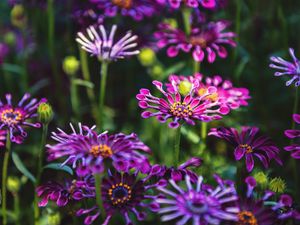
197 66
203 137
17 208
74 99
4 178
177 145
186 14
98 184
103 74
39 173
237 25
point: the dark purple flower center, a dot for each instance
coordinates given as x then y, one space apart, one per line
101 150
181 110
11 116
126 4
119 193
199 202
247 147
246 218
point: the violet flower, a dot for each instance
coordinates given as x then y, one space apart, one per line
206 39
102 45
249 144
14 118
291 69
201 205
294 134
180 108
87 151
191 3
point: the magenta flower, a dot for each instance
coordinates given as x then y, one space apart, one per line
294 134
103 46
249 144
2 138
180 108
201 205
228 95
190 3
14 118
291 69
88 151
206 39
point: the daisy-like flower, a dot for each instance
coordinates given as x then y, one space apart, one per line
206 39
87 151
124 194
203 204
231 96
249 144
291 69
294 134
180 108
103 46
137 9
2 138
192 3
14 118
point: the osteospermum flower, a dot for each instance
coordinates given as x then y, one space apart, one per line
180 108
291 69
102 45
231 96
249 144
14 118
137 9
294 134
191 3
206 39
124 194
87 151
203 204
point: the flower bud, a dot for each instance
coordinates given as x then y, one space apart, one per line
147 57
184 87
10 38
45 113
156 71
71 65
277 185
261 179
13 184
53 219
18 17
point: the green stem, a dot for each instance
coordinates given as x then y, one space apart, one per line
197 66
98 185
203 137
237 25
104 67
4 178
186 14
17 208
74 99
39 173
177 145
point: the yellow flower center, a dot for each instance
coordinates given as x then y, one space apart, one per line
101 150
119 193
198 40
181 110
126 4
247 147
10 116
212 97
246 218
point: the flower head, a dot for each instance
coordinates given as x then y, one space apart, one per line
87 150
203 204
180 108
14 118
294 134
103 46
249 144
291 69
207 38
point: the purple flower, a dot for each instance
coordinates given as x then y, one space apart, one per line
291 69
2 138
13 118
207 38
137 9
249 144
192 3
124 194
203 204
294 134
180 108
87 150
103 46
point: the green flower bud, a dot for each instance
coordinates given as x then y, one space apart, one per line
53 219
10 38
172 22
261 179
18 17
71 65
45 113
184 87
13 184
157 70
277 185
147 57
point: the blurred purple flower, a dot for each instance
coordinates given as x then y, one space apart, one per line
102 45
173 107
203 204
208 37
87 151
291 69
13 118
249 144
189 3
294 134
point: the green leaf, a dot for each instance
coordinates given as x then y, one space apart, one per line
21 167
191 135
174 69
12 68
57 166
